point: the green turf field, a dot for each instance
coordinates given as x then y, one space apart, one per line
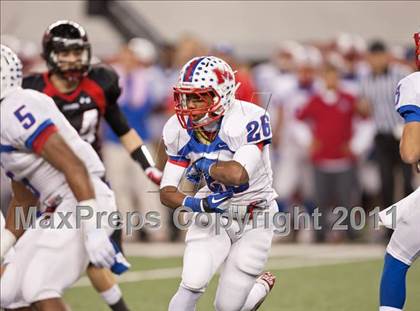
331 286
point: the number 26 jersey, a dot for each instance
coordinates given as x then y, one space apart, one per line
243 124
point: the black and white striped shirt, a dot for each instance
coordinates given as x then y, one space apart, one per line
379 90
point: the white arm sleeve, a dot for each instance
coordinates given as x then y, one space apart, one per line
172 175
407 98
248 156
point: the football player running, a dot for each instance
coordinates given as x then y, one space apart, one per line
223 142
38 152
404 246
85 93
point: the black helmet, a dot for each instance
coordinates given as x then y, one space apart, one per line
61 36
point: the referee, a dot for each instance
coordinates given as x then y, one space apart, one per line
378 93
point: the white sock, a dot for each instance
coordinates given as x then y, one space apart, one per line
389 309
112 295
258 292
184 300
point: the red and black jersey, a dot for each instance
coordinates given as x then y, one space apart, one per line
95 96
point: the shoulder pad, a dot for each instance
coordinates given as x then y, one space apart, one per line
174 136
34 81
104 75
246 123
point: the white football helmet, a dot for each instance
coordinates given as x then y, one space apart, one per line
213 81
11 71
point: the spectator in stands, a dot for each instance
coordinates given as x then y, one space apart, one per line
378 92
291 137
352 48
136 102
330 114
247 90
279 69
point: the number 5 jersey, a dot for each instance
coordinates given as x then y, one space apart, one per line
28 119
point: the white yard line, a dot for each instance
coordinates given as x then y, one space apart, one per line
162 250
138 276
296 257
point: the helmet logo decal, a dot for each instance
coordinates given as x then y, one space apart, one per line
222 76
190 70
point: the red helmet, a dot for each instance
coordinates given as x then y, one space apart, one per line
208 79
417 41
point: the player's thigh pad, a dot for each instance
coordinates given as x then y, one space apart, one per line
10 285
50 271
405 241
41 269
205 252
49 259
245 262
15 265
57 261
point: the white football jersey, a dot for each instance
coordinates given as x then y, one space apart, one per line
291 97
25 114
407 97
244 123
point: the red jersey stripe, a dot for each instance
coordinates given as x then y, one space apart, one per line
42 138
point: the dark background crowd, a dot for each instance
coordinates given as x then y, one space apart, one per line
335 131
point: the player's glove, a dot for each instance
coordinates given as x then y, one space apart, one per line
214 203
98 246
200 167
142 156
120 264
154 174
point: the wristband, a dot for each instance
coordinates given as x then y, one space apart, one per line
143 157
87 214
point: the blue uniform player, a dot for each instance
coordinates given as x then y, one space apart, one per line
404 246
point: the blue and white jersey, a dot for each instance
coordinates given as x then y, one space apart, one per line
26 117
243 124
407 97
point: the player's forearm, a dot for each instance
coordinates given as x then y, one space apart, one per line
410 143
171 197
62 157
131 140
79 182
22 199
230 173
11 221
139 152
